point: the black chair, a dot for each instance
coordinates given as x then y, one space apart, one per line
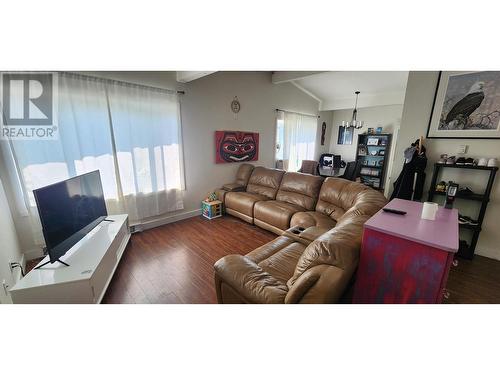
330 160
352 170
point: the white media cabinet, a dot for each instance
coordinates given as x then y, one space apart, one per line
92 263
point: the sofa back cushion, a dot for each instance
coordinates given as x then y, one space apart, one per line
265 181
338 195
243 174
340 246
299 189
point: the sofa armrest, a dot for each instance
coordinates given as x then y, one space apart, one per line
320 284
249 280
221 195
233 187
305 236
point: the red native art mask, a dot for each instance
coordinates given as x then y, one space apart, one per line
234 146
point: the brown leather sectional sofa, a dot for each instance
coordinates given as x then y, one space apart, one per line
319 223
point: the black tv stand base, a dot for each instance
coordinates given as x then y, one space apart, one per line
47 262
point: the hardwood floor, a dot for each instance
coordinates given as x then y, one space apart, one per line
475 281
174 264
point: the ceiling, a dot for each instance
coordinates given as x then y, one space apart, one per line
335 90
188 76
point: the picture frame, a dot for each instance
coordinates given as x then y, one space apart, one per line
232 146
466 106
345 135
372 142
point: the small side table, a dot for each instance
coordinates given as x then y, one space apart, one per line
406 259
211 210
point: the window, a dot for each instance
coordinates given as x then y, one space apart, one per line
130 133
280 128
295 140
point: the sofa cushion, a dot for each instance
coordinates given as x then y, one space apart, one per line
270 248
340 246
243 174
265 181
281 265
243 201
233 187
275 213
338 195
247 279
278 257
312 219
299 189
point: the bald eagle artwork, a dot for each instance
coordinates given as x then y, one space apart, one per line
459 115
466 105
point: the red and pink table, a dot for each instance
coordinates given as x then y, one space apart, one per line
406 259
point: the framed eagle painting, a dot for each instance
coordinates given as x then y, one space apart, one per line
466 105
236 146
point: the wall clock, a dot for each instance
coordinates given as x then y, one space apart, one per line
235 105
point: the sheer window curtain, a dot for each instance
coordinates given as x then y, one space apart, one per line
147 139
299 139
130 134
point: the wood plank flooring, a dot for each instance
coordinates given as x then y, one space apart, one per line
474 281
174 264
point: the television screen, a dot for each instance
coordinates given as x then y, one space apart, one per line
69 210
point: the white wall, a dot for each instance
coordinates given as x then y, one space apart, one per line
387 116
205 108
415 119
327 117
9 246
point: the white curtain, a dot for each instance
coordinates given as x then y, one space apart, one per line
129 133
299 139
147 136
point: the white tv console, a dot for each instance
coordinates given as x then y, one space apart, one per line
93 261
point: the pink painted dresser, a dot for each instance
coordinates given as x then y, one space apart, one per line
405 259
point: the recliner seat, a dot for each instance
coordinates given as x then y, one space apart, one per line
287 270
262 185
240 183
297 192
335 198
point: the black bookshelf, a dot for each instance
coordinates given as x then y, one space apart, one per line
484 198
373 167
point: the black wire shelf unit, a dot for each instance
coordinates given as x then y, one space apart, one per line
467 250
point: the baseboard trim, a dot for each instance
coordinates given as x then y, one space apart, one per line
167 220
488 253
37 253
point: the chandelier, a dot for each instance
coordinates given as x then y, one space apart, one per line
354 123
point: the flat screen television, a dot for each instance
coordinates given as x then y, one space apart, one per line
69 210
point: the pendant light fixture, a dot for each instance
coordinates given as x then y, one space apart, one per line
354 123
